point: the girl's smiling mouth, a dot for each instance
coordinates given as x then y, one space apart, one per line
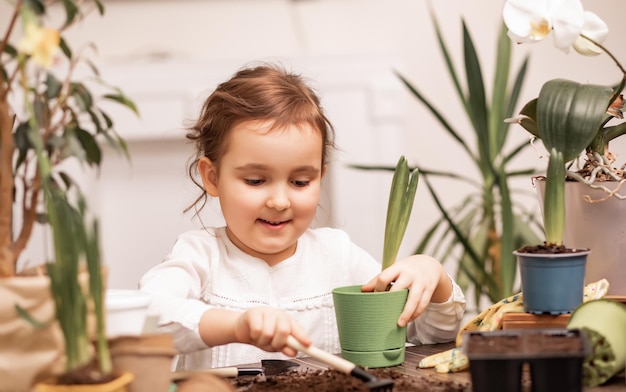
273 223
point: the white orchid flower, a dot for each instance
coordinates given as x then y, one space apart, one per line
532 20
594 28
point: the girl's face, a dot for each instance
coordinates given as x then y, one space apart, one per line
268 183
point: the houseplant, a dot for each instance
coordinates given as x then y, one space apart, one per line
489 221
569 118
49 120
367 322
593 190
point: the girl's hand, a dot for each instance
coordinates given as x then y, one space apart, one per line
425 278
268 329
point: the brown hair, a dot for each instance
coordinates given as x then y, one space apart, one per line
264 92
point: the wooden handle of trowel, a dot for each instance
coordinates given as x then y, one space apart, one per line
327 358
221 372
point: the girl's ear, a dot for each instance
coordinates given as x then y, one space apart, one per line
208 174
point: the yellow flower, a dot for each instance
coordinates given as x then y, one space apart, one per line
41 43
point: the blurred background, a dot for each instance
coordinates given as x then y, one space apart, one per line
169 55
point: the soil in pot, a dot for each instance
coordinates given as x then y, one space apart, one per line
548 249
334 381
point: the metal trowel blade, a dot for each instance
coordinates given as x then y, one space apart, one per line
275 367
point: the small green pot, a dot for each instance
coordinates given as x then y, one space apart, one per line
552 283
368 326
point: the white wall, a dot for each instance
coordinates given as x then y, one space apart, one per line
224 34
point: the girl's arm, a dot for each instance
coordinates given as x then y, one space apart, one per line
264 327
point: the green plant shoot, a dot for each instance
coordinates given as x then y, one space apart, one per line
401 197
569 115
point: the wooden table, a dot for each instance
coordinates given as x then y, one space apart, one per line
415 354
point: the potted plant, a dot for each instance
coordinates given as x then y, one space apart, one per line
489 220
367 322
569 118
49 120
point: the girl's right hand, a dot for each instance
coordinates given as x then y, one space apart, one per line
268 329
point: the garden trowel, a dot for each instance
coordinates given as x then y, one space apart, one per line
269 367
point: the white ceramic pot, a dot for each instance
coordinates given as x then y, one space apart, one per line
126 312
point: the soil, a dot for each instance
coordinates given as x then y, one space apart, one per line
334 381
86 375
548 249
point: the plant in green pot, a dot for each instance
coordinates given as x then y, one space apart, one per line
570 118
369 334
51 123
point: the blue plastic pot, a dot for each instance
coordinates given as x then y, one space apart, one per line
552 283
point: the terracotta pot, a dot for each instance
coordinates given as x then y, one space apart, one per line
119 384
368 326
599 226
28 354
148 357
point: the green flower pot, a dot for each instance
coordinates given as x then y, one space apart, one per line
552 283
368 326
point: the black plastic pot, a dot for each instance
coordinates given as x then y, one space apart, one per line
555 358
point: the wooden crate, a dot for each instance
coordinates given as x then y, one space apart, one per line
536 321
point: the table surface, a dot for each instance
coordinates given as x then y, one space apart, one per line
414 355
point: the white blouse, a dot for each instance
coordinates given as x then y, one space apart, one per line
206 270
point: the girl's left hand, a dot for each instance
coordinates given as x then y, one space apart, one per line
425 278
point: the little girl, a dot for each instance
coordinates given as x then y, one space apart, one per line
232 295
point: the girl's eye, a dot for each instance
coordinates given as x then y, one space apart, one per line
301 183
253 182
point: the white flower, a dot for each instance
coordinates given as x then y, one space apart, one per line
593 28
532 20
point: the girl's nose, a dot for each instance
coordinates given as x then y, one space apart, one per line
278 200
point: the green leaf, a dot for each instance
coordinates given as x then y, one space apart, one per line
36 6
554 199
100 6
8 48
29 318
444 123
121 99
71 11
401 197
497 128
89 144
477 109
53 86
82 96
446 55
67 51
569 115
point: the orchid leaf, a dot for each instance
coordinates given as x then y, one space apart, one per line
569 115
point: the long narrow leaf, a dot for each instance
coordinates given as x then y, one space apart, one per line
499 98
508 262
401 197
446 55
446 125
467 247
477 101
